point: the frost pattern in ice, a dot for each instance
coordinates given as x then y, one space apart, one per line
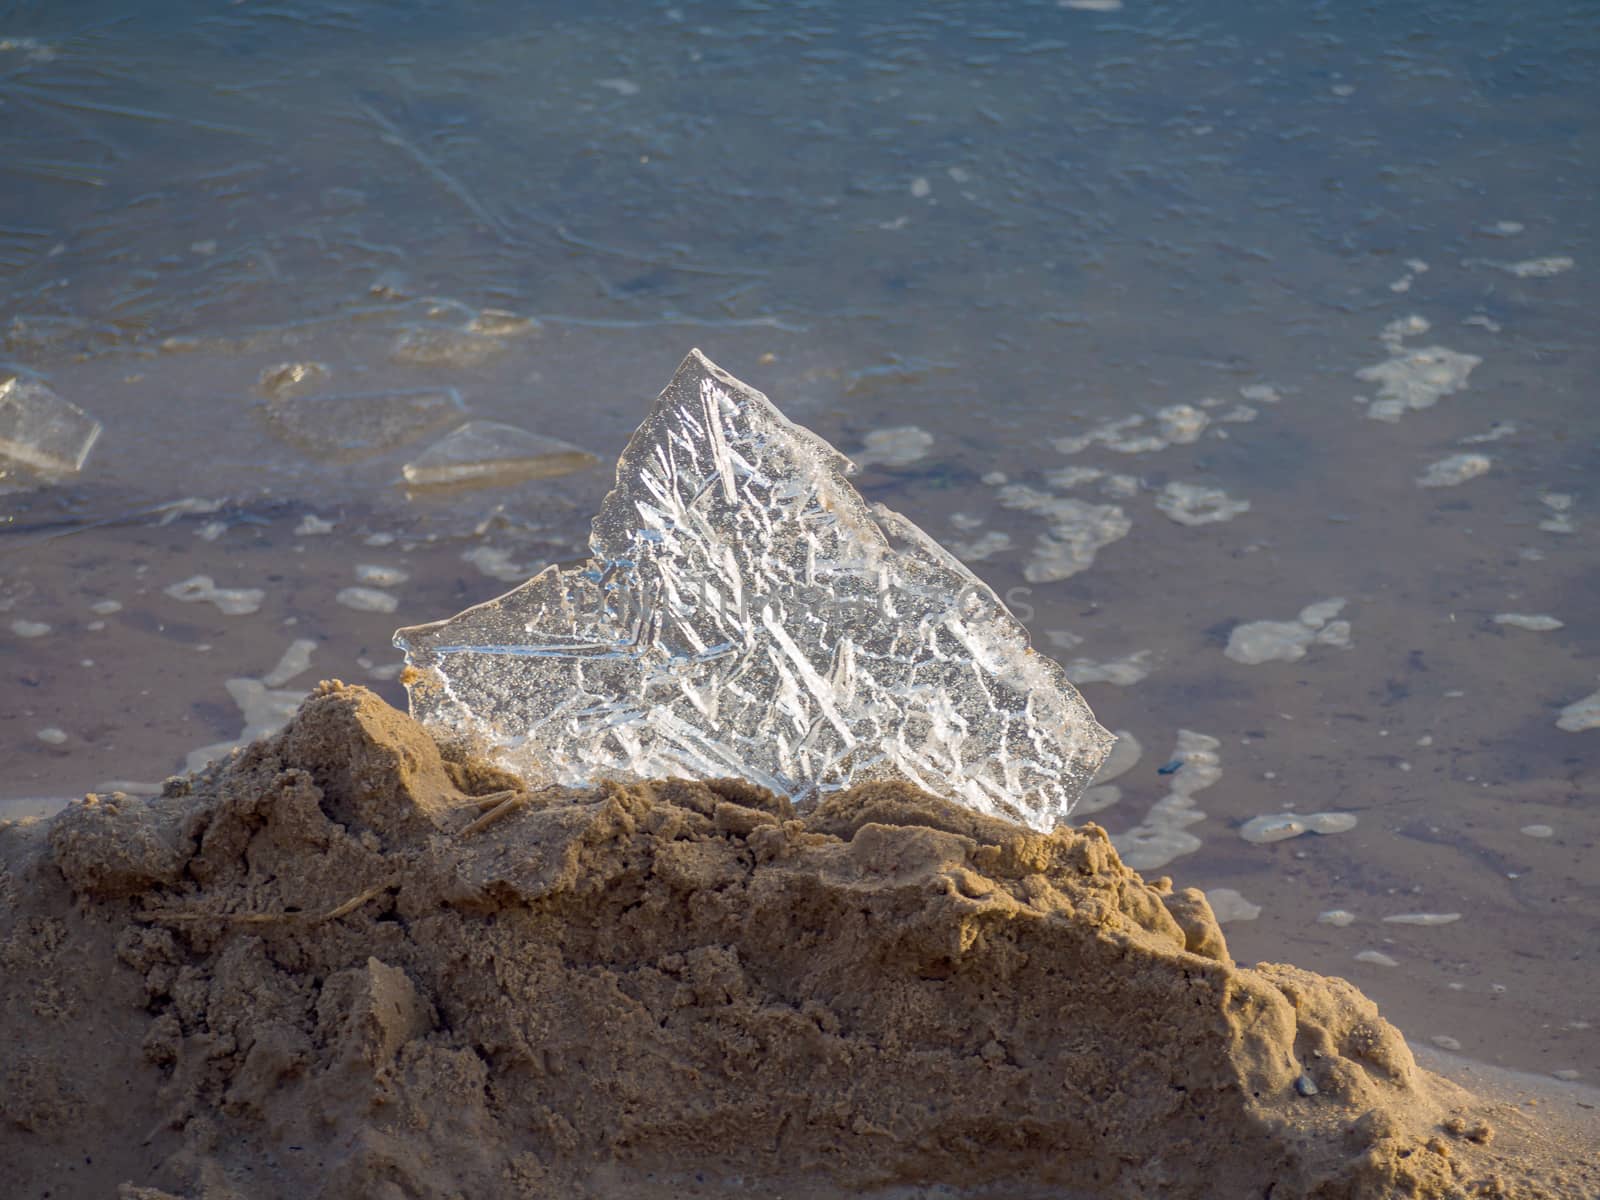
746 612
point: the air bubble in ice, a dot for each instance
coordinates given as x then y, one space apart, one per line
747 612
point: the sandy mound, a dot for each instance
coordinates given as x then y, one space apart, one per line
338 965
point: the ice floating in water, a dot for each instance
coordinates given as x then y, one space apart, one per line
359 425
897 447
1192 504
41 430
1580 715
747 612
1414 379
1278 827
1537 622
234 602
1256 642
482 453
1455 470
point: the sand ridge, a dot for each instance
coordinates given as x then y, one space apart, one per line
341 963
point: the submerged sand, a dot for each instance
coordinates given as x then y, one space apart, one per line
341 964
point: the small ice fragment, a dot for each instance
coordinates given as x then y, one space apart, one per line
1124 756
1559 503
1414 379
747 612
311 525
1123 672
1377 958
296 658
1330 822
1181 424
1538 831
966 522
1228 905
1423 918
1537 623
992 542
234 602
622 87
30 629
1339 917
1277 827
378 576
1067 478
1502 229
897 447
41 430
1164 834
444 346
1539 268
487 453
287 378
496 563
1121 487
1091 5
1445 1042
52 735
359 425
1097 799
1499 431
1191 504
1256 642
104 608
1076 531
365 599
1455 470
920 187
1580 714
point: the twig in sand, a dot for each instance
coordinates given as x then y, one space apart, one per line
508 802
263 918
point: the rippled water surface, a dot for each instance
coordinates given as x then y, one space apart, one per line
1322 250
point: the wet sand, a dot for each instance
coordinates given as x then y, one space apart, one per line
339 964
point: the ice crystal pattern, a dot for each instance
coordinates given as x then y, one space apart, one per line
747 612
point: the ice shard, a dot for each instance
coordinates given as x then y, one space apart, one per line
747 612
43 431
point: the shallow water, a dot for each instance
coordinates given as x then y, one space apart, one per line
1004 226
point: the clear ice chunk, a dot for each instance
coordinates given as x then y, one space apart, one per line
747 612
361 424
484 453
41 430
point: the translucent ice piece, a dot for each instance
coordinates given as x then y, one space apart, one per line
747 612
481 453
361 424
41 430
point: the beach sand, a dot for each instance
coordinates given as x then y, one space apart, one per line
341 963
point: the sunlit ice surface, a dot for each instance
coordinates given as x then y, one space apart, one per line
747 612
